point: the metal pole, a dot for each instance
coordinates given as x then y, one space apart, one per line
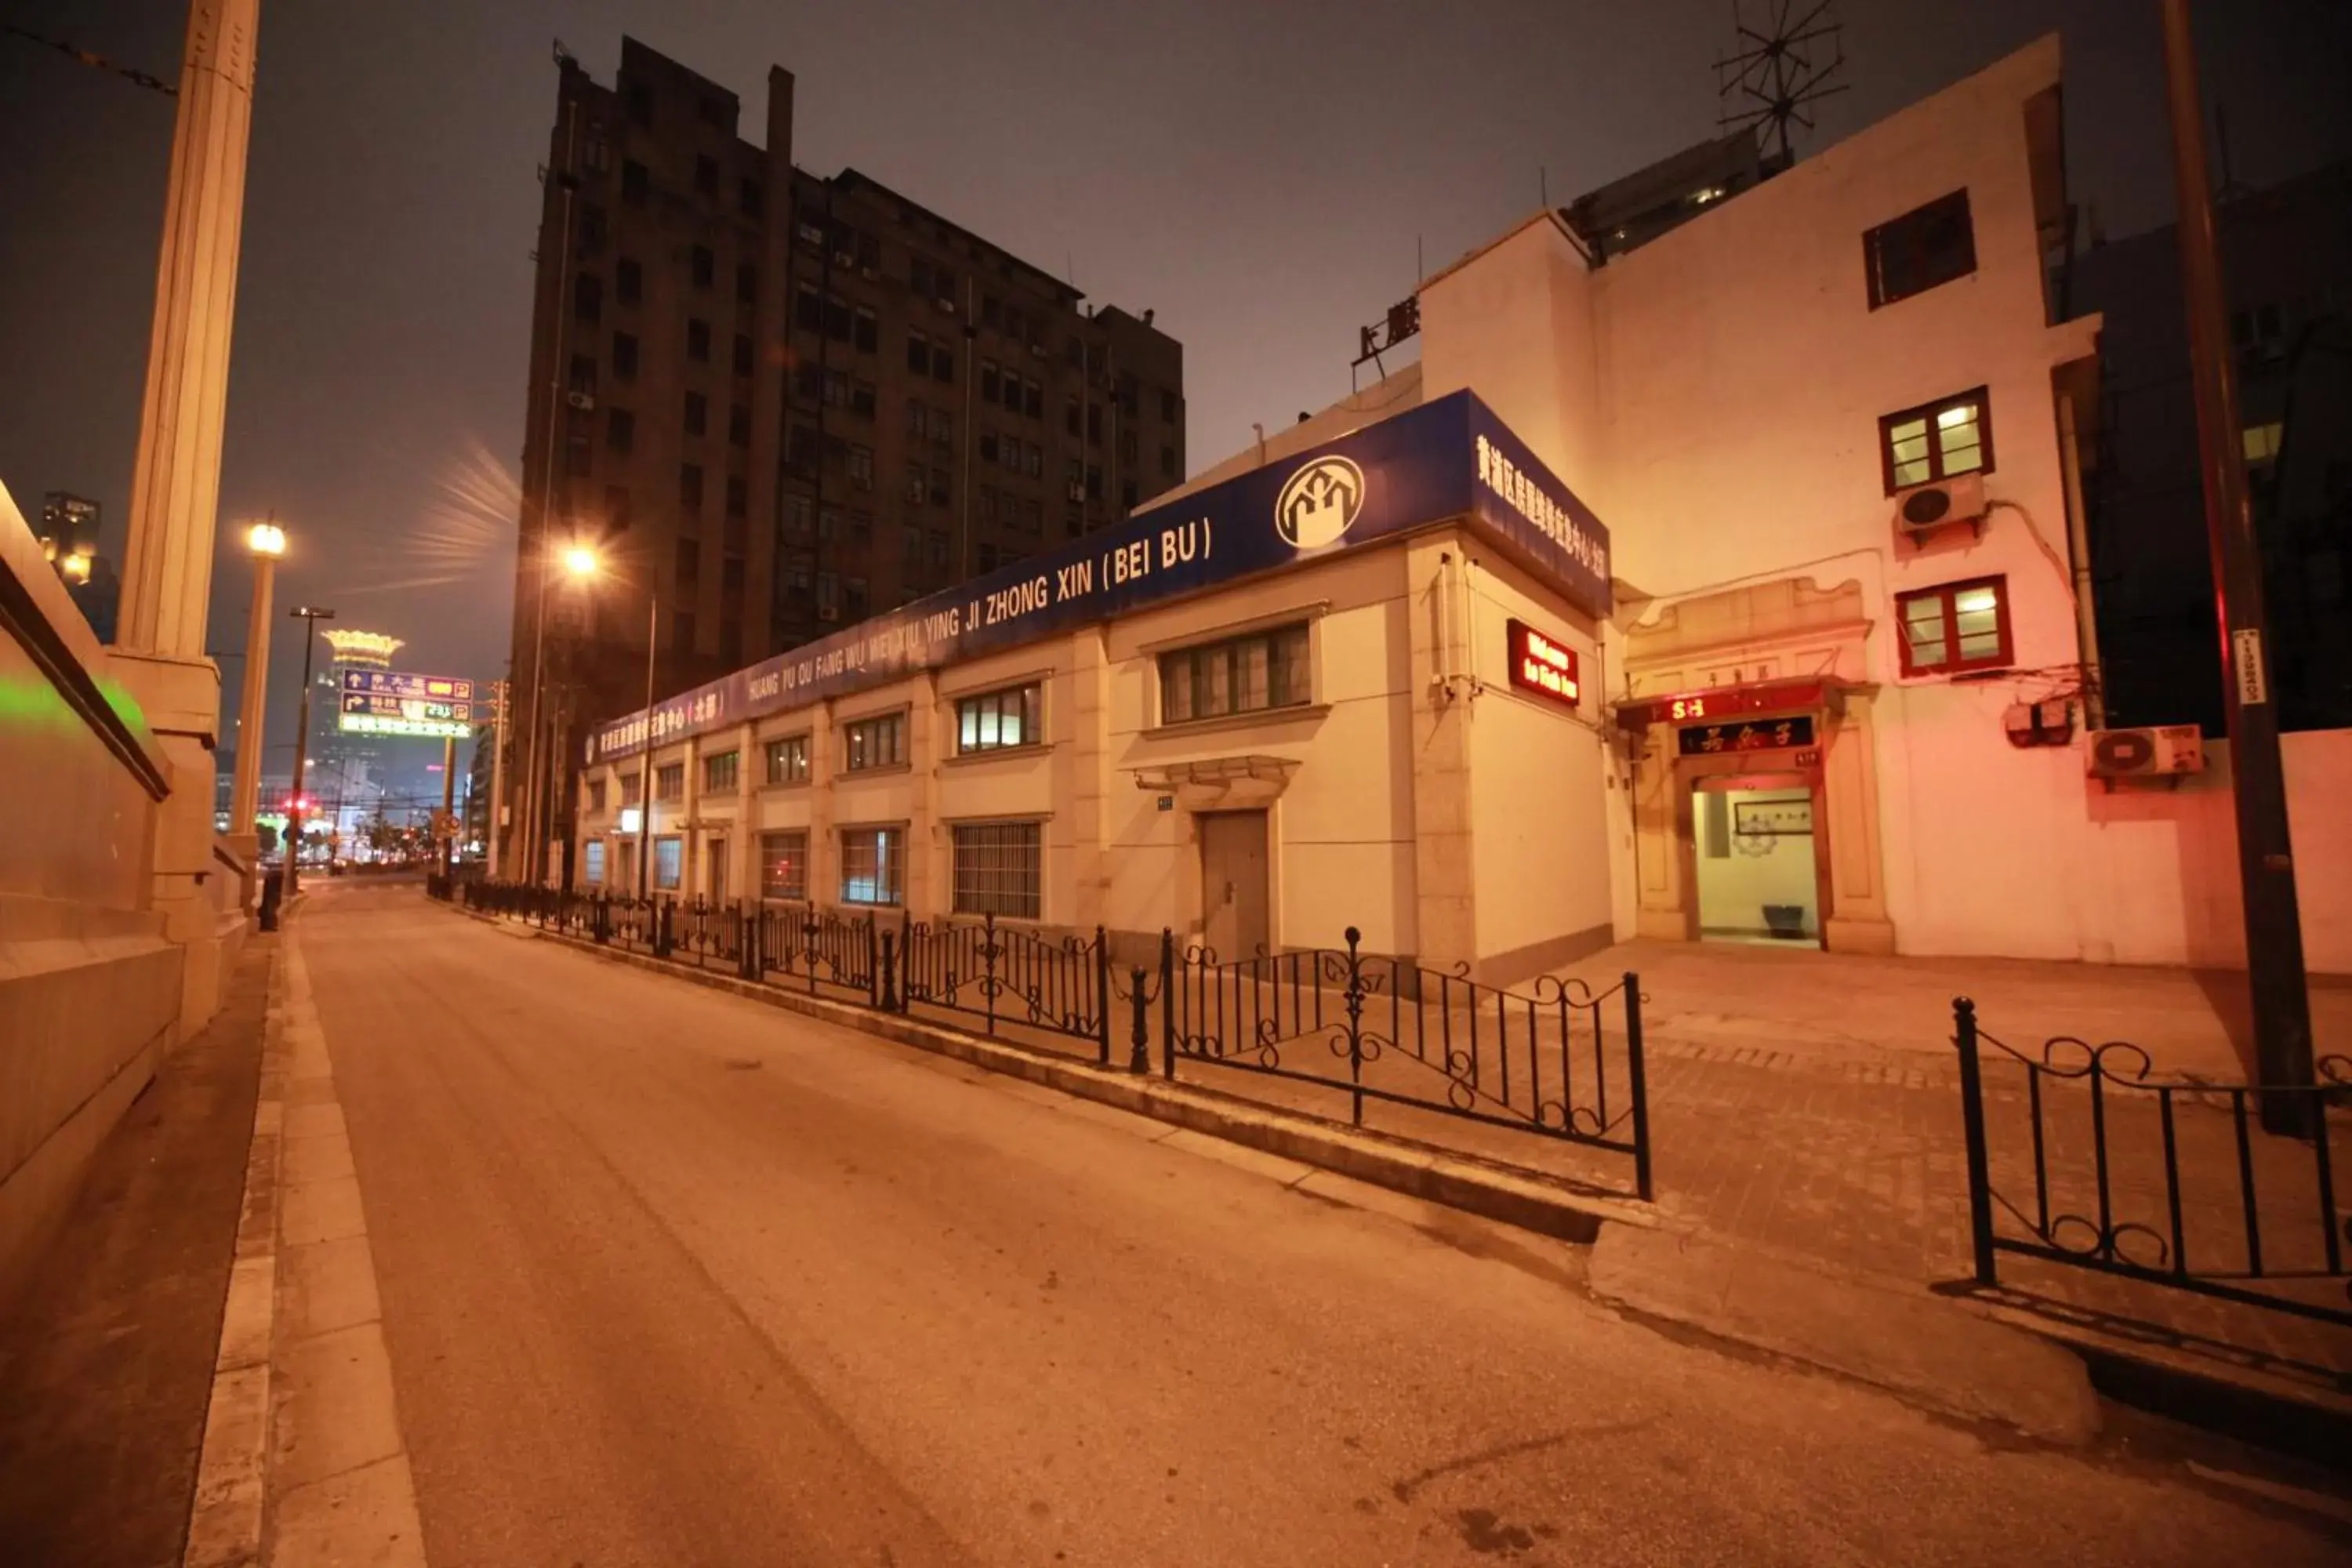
245 792
2281 1008
501 692
566 182
1972 1127
448 800
646 757
310 618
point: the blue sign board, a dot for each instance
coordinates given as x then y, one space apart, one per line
1449 458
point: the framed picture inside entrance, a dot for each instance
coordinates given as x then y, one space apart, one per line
1772 818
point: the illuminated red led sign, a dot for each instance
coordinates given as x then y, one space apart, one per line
1542 665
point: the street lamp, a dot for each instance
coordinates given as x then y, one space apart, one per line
310 616
579 562
266 543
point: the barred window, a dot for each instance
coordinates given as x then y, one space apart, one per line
1241 675
720 772
591 858
632 789
878 743
873 865
788 760
995 720
998 869
596 797
669 782
783 865
669 853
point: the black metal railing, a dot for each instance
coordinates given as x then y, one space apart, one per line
1540 1061
1560 1061
2167 1182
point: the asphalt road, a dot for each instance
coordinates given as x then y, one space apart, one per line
669 1276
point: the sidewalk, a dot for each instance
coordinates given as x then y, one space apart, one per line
106 1361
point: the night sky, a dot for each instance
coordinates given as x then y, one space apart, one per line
1266 176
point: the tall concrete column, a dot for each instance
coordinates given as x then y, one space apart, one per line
176 488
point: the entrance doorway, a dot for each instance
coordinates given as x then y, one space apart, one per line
1233 901
1759 876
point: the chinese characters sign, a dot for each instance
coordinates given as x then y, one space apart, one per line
1748 735
1541 665
388 702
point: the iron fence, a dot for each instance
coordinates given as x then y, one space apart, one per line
2168 1182
1542 1060
1560 1061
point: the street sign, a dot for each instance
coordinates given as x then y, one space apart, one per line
390 702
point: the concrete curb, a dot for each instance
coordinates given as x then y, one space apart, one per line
2058 1367
224 1519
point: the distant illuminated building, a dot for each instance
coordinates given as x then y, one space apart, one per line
69 544
362 650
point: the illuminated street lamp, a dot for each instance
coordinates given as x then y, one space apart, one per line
266 541
579 563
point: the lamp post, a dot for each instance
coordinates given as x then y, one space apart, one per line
310 616
267 541
645 759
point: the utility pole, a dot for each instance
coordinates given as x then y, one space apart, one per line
447 824
499 692
266 540
310 616
2281 1006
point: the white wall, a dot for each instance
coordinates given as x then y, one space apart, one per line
1760 871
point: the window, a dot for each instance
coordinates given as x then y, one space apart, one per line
1168 405
669 853
868 333
592 859
641 104
1936 441
616 506
583 375
1167 462
998 868
739 424
828 596
596 797
855 597
988 446
746 197
788 760
689 561
910 545
943 429
1924 246
681 632
1241 675
861 466
915 476
689 486
698 340
620 430
739 496
633 182
705 176
1960 625
939 487
942 363
2261 442
629 280
624 355
720 772
746 283
995 719
915 418
705 266
632 789
876 742
698 414
742 354
669 782
918 352
989 378
587 297
862 399
808 309
1033 399
873 865
783 865
939 549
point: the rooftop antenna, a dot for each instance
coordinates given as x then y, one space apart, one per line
1782 67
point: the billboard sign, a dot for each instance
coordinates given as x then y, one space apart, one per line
390 702
1449 460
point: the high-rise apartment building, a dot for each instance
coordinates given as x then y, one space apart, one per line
774 402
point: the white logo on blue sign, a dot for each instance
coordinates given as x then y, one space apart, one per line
1320 502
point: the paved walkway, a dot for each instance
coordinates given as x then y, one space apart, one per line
106 1361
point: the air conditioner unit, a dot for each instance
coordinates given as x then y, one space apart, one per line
581 400
946 305
870 275
1038 349
843 258
2167 751
1940 503
1077 490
